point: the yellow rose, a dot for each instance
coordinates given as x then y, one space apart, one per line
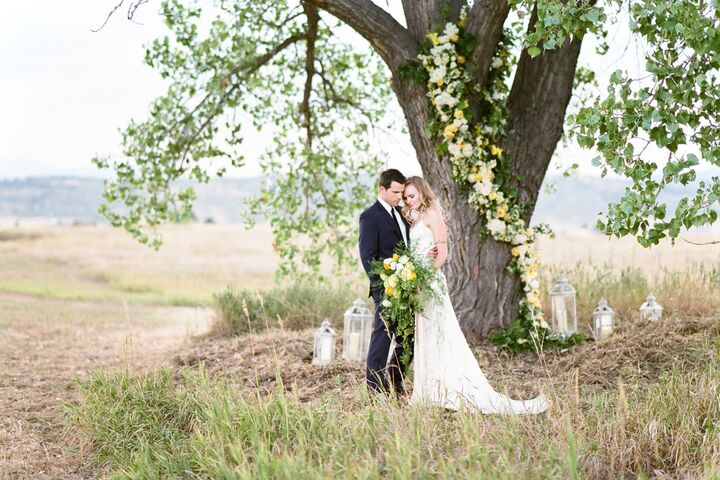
389 290
473 169
459 113
386 265
449 131
454 38
496 151
492 196
515 252
501 213
413 276
395 257
440 82
460 59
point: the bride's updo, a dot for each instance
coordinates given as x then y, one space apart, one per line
427 197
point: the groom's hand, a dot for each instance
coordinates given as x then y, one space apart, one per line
433 253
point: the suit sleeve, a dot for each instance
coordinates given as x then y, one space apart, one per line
369 238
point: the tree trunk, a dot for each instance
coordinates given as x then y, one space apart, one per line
485 296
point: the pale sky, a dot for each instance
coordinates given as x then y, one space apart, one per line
65 91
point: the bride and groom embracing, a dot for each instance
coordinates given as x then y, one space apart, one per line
445 371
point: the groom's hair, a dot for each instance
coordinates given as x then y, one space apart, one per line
389 176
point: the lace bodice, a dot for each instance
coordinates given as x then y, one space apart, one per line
421 237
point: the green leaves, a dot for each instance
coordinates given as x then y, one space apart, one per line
651 130
239 68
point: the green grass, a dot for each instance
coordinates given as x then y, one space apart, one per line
303 304
150 426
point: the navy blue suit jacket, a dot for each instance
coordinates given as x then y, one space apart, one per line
379 236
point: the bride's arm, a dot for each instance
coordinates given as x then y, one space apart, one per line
439 231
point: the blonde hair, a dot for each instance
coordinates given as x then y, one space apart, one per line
427 197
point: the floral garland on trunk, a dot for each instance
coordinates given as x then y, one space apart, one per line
478 163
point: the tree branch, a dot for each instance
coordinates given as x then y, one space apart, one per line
425 17
537 103
247 69
311 32
390 39
485 21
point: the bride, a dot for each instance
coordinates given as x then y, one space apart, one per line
445 371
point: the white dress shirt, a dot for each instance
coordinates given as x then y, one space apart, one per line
399 221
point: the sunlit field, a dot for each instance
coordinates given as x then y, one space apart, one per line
171 384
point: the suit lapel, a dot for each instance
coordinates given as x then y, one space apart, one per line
389 218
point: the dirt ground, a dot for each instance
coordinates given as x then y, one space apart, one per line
46 345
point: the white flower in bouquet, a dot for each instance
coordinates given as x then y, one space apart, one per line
386 303
454 150
484 188
403 260
519 239
438 74
467 150
497 62
445 99
496 226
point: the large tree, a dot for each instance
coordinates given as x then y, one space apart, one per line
287 67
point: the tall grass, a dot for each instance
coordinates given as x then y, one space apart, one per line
691 292
303 304
148 426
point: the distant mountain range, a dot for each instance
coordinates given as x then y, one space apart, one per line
574 203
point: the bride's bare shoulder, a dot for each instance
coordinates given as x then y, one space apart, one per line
433 214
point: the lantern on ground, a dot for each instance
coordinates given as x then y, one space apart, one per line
324 351
357 328
564 311
650 310
603 320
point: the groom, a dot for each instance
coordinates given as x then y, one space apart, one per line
382 229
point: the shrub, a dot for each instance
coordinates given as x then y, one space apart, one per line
295 307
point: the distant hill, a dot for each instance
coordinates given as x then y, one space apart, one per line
573 205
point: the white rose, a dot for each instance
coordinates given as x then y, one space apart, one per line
438 74
445 99
484 189
467 150
386 303
451 29
519 239
534 284
393 266
444 118
404 259
454 150
497 62
496 226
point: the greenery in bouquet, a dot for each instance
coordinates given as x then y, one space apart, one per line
406 281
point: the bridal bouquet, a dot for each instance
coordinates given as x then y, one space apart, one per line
406 278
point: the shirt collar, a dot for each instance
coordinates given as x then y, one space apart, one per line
385 205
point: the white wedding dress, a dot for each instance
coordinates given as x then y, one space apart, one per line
445 371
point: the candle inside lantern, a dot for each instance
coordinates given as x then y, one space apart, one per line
354 344
326 349
560 314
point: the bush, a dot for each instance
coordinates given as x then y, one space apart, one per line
298 306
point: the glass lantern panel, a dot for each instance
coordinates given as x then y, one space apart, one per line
564 315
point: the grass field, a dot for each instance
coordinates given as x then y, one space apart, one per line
88 304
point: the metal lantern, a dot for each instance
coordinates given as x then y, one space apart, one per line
357 328
650 310
324 352
564 311
603 320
